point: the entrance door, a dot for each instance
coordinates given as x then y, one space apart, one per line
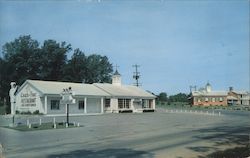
93 105
137 104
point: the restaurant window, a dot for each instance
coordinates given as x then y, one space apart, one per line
107 103
127 103
124 103
54 104
81 104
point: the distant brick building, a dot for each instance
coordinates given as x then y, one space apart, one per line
207 97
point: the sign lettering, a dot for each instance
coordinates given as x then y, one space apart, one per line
28 99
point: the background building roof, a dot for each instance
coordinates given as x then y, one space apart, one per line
240 92
231 98
212 93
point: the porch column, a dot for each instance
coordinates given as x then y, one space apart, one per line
85 105
132 105
102 104
154 104
45 104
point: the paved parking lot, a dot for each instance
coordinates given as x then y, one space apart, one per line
158 134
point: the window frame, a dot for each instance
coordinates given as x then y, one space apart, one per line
81 105
213 99
107 102
54 104
124 103
206 99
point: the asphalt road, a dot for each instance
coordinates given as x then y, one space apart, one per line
147 135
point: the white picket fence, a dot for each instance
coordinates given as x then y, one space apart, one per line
198 112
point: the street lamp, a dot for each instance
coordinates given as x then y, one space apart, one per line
67 98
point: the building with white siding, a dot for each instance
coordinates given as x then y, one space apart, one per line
236 97
97 98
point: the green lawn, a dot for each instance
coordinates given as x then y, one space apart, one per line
44 126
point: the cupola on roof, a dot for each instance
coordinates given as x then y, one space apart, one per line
117 73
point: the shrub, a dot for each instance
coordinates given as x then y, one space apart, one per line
1 103
36 112
26 113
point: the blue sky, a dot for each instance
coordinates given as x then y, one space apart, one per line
177 43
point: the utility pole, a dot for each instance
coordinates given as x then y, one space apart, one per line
116 67
191 88
136 75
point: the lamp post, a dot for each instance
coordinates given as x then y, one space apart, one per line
67 98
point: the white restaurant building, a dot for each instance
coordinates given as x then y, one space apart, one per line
96 98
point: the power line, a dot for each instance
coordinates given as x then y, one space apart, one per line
192 88
116 67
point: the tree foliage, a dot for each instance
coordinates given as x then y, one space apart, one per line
95 72
75 70
162 97
180 97
24 58
53 60
21 59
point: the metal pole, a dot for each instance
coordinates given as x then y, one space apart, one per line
13 119
67 114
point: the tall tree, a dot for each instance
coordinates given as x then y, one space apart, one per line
180 97
54 58
76 69
4 79
22 60
162 96
98 69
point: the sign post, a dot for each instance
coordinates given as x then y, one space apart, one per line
67 98
67 111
